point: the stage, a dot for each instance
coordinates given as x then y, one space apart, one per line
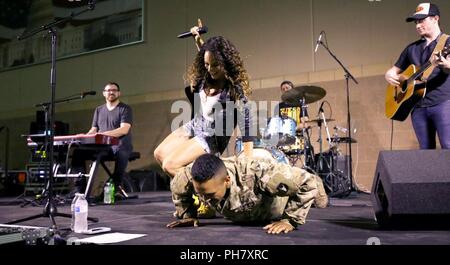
347 221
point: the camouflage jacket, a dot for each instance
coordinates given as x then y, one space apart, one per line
255 185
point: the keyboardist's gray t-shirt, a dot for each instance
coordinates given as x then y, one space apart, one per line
106 120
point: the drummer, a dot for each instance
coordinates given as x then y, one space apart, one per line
287 110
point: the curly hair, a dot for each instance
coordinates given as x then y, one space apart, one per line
228 56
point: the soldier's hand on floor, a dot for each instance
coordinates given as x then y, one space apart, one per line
279 227
184 223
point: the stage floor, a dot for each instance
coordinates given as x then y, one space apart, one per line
346 221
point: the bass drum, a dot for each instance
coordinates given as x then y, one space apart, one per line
260 151
270 154
238 146
281 131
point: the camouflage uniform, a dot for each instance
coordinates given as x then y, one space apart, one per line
261 190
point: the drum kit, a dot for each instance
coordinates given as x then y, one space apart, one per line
285 142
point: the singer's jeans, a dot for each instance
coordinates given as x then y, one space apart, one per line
429 120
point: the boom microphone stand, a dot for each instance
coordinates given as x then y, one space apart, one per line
45 106
347 76
6 166
50 208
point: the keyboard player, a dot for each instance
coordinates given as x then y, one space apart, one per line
114 118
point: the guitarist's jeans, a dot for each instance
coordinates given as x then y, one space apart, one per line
429 120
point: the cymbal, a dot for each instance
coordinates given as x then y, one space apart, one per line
343 140
320 120
309 93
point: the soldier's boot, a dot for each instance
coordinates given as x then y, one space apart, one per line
203 210
321 199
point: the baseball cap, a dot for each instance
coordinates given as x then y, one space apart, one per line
424 10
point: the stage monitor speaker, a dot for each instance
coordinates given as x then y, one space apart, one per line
412 188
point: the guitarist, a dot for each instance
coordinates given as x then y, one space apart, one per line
431 114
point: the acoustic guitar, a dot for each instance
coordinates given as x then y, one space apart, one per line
401 99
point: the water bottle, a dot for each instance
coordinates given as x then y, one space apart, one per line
113 192
107 193
72 210
79 209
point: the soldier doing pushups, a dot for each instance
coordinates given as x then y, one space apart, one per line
246 190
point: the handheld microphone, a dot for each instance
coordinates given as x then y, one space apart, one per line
319 40
188 34
83 94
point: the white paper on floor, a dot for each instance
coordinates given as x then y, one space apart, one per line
109 238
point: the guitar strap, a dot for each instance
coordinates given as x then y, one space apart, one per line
439 46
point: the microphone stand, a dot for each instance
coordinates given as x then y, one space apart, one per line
46 106
309 153
322 116
6 163
67 99
347 76
321 156
50 209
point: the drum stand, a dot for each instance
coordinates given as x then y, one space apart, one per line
308 163
321 158
347 76
309 153
335 181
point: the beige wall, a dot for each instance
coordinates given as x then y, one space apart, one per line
276 40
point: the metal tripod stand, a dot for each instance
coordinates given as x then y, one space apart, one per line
50 209
336 182
347 76
309 163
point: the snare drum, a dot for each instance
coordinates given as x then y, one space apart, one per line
282 130
294 149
